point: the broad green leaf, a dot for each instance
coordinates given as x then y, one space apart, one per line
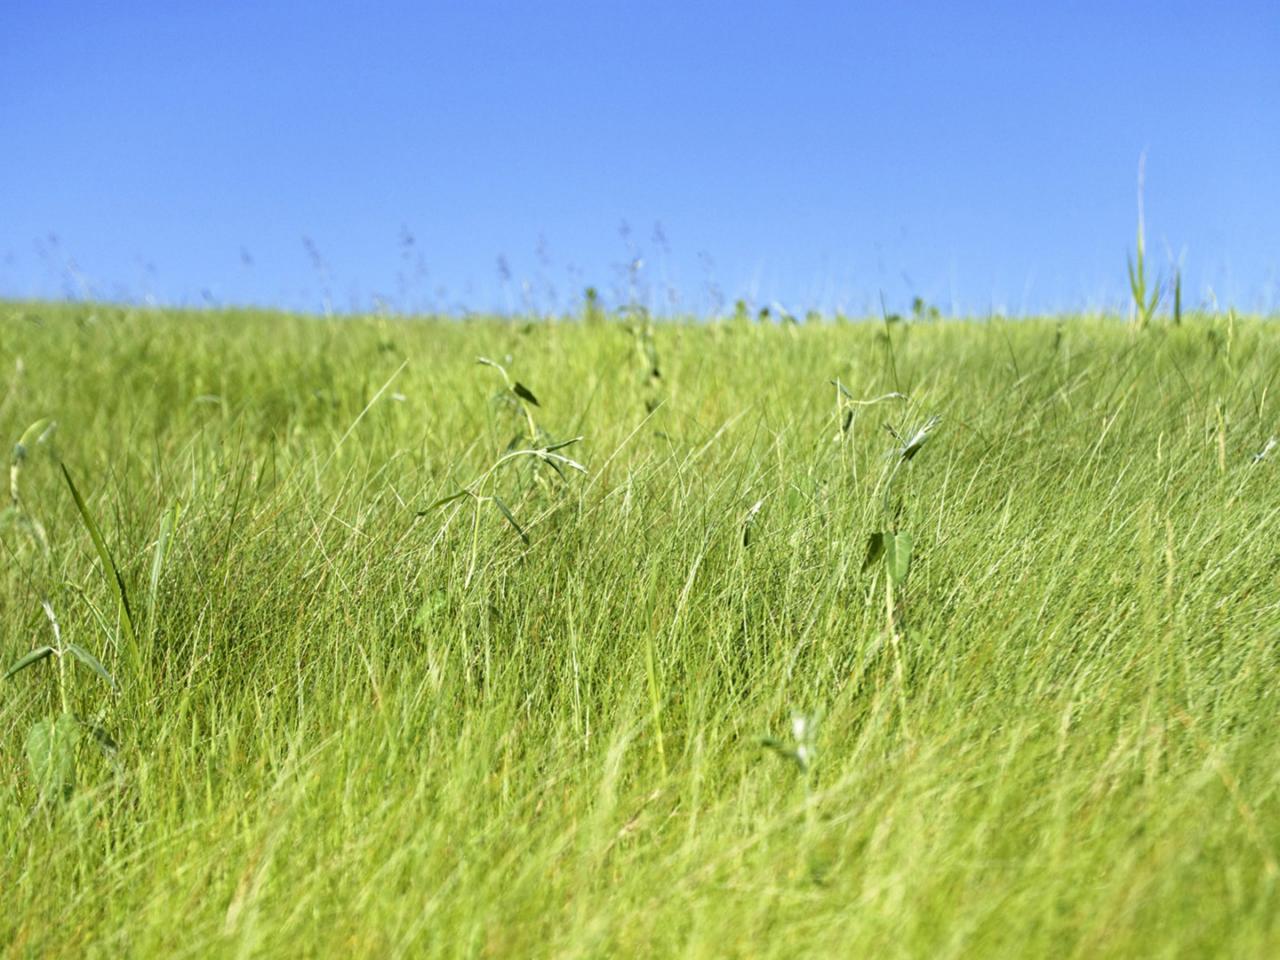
51 754
898 556
35 656
506 512
92 662
875 549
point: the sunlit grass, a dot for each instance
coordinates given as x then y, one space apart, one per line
665 706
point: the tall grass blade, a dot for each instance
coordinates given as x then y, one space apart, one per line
114 579
167 525
506 512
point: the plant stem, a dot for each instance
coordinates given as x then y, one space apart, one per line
899 672
655 702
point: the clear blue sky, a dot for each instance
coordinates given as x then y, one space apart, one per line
979 155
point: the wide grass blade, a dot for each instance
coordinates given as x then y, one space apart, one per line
92 662
35 656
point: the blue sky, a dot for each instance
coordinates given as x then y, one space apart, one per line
500 155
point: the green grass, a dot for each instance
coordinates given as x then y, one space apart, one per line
349 725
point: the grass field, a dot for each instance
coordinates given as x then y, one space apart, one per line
349 720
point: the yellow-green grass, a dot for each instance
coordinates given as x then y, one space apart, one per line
351 723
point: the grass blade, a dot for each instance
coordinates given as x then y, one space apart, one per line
524 393
506 512
35 656
442 501
167 525
108 562
561 445
92 662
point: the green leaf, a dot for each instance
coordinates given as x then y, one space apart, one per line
51 754
898 556
524 393
109 565
557 458
442 501
92 662
561 445
506 512
433 606
35 656
875 549
554 466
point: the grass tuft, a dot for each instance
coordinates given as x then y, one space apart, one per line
1019 662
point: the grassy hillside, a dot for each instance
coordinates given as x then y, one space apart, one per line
529 721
